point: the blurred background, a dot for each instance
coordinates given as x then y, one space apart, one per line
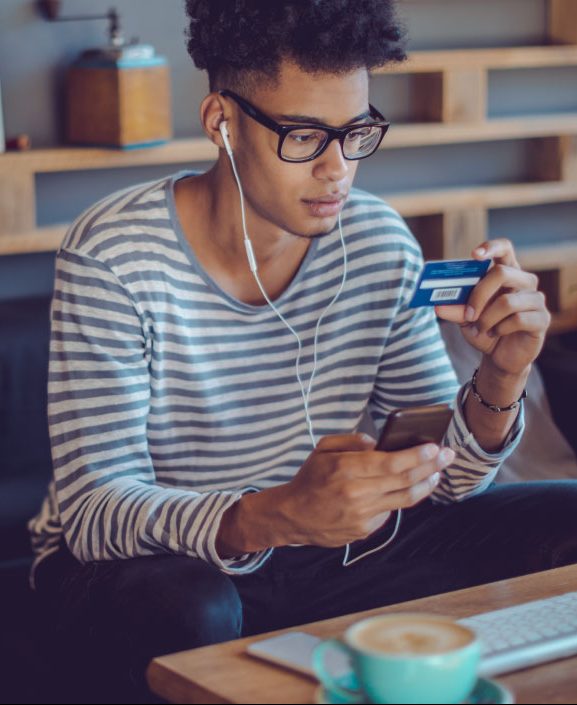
482 143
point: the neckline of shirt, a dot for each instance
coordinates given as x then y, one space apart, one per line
203 274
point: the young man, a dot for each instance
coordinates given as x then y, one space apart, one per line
189 503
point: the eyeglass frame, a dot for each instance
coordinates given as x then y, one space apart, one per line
282 131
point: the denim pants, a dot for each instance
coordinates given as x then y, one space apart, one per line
108 619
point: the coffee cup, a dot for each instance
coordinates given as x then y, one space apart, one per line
404 658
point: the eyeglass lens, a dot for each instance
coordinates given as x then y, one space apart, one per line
303 143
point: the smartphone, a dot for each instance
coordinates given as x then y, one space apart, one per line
406 428
294 650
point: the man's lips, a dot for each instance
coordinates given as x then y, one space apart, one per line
325 206
333 198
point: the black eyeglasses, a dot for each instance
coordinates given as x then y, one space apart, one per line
302 143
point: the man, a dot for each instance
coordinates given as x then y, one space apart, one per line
190 504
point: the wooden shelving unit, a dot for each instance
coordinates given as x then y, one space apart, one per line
450 99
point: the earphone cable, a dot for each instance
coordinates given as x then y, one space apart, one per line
254 268
306 396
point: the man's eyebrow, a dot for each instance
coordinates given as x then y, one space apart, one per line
315 121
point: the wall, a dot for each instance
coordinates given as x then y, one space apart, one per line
34 55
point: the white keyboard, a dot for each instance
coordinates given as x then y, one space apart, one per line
525 635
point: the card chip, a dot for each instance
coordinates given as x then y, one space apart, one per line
446 294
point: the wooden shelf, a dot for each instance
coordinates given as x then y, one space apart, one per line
60 159
197 149
431 134
544 257
409 204
46 239
499 58
430 202
534 259
556 266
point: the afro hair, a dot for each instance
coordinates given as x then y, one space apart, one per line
236 39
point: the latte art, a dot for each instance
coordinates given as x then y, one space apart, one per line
411 635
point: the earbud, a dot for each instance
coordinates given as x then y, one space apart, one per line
224 132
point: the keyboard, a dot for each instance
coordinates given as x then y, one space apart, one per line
526 635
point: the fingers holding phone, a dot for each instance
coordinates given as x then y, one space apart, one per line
404 430
408 476
403 483
346 485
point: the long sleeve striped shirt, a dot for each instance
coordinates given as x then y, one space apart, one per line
169 398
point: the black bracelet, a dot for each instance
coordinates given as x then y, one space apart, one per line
493 407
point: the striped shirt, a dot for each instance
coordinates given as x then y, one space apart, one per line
169 398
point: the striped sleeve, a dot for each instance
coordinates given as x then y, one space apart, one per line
110 502
415 370
474 469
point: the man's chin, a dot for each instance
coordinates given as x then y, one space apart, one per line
326 227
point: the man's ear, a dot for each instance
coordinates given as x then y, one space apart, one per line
212 113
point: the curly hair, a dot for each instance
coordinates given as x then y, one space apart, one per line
236 39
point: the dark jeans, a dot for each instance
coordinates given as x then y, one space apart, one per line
110 618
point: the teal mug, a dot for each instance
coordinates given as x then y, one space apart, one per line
404 658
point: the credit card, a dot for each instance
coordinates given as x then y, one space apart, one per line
448 282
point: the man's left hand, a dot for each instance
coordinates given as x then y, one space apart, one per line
506 317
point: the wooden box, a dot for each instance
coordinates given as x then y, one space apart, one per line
115 103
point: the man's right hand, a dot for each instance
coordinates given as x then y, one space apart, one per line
344 491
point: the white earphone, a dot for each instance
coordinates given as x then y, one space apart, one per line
305 395
254 269
224 132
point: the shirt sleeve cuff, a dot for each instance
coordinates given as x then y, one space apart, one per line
238 565
466 439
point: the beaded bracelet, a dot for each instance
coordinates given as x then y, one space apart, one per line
493 407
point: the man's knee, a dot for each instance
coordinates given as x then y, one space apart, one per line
178 602
213 612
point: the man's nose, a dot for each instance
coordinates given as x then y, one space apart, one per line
332 164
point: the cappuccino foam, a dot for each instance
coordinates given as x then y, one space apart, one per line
411 635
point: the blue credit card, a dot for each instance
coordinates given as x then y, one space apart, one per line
448 282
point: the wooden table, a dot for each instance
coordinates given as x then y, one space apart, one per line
224 673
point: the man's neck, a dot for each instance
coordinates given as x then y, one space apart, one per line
208 208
